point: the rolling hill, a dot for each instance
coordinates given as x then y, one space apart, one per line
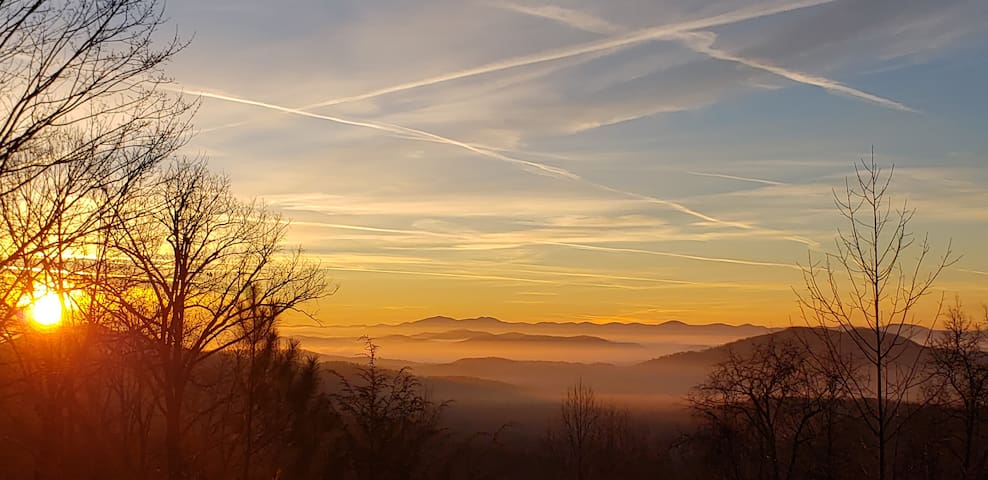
663 379
443 339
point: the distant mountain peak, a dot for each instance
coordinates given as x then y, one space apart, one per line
495 325
449 322
436 318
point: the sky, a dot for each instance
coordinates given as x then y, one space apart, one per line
576 160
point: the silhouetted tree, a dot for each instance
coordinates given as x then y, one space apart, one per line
579 422
391 428
759 412
83 118
274 419
592 438
959 366
868 289
194 262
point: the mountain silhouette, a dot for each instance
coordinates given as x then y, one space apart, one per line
812 339
671 327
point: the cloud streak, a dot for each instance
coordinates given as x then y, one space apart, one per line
396 130
553 273
416 134
470 276
734 261
702 42
735 177
573 18
613 43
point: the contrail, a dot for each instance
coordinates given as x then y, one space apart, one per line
674 255
702 42
673 205
471 276
221 127
442 274
376 229
573 18
629 39
735 177
394 130
636 279
734 261
431 137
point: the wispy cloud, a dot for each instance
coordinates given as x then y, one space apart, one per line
396 130
222 127
362 228
613 43
558 278
416 134
573 18
470 276
703 42
607 217
735 177
676 255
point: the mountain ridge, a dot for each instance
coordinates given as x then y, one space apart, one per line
442 320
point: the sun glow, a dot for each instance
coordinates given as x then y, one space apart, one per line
46 309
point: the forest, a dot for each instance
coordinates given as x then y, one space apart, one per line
139 327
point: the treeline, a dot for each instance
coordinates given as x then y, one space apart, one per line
780 410
169 286
168 364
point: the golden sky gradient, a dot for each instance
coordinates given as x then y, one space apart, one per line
604 161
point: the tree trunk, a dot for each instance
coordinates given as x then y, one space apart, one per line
173 435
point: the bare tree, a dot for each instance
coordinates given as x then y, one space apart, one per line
83 119
592 438
191 263
580 415
868 290
762 410
960 387
86 70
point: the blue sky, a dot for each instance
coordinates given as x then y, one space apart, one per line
624 160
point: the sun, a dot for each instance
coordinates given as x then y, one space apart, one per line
46 309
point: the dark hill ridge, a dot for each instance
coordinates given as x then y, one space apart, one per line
441 387
812 338
444 339
669 376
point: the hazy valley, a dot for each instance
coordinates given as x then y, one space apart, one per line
481 361
695 240
444 340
